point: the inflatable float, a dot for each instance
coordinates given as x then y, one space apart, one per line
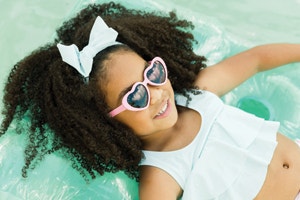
273 95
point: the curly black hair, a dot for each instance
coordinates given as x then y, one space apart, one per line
70 116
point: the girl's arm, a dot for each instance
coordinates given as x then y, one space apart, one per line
157 184
226 75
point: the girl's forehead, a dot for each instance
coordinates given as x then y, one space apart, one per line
124 64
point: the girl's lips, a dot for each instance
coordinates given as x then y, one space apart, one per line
165 111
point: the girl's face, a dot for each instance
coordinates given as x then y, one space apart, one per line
125 68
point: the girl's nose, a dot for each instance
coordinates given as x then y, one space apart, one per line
156 94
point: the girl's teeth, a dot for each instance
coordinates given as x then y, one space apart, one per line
162 110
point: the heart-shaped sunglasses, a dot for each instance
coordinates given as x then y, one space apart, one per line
138 98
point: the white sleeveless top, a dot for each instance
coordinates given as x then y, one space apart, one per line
227 159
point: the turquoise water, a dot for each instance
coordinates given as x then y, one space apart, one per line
223 27
25 25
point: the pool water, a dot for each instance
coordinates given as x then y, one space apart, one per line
223 29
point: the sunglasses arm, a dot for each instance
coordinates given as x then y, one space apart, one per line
116 111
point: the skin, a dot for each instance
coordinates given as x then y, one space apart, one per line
174 131
143 123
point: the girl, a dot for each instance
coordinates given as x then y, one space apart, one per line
127 89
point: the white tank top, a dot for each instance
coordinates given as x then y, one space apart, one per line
227 159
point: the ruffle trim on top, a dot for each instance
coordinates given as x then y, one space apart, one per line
233 165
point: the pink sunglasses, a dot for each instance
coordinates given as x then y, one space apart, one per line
138 98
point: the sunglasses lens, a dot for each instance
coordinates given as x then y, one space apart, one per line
138 98
157 73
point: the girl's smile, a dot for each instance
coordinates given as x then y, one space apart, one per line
165 110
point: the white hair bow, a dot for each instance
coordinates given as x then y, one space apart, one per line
101 36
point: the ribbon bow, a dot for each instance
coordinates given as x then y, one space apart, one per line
101 36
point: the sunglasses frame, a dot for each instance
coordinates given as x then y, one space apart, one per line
125 105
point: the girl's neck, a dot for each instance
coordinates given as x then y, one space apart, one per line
177 137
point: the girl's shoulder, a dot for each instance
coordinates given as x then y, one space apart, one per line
202 101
